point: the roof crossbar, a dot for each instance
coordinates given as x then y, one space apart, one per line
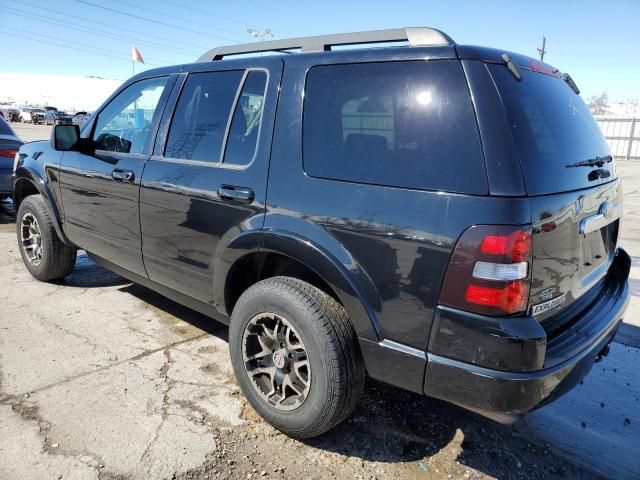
416 36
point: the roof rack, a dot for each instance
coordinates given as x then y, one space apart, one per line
414 35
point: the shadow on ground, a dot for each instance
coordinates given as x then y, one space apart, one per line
390 426
87 274
7 214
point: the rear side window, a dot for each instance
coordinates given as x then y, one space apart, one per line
400 124
245 126
553 129
201 116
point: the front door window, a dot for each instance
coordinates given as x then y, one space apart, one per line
125 124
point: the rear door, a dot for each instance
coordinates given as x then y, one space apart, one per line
575 195
206 182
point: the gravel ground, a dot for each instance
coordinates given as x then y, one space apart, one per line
100 378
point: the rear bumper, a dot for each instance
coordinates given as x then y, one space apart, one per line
503 395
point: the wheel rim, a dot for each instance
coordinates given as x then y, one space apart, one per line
31 238
276 361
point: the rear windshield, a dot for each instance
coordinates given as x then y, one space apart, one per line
398 124
552 128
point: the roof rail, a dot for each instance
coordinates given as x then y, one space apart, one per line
414 35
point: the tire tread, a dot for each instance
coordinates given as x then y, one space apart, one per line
346 371
62 258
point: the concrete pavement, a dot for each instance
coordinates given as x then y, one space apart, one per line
100 378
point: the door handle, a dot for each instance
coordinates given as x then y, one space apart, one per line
606 214
233 193
123 175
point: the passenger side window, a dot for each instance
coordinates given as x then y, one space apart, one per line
201 116
399 124
125 124
245 126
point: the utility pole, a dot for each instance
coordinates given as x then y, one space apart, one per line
542 50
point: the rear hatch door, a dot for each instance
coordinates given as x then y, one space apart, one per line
572 183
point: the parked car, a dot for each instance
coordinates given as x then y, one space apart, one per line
80 117
9 145
391 219
10 114
25 115
122 121
57 117
32 115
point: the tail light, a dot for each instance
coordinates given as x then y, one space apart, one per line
8 152
489 270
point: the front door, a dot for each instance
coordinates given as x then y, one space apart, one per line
100 191
206 182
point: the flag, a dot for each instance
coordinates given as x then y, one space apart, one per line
135 55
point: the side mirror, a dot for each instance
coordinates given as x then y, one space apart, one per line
65 138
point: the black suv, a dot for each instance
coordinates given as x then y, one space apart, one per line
57 117
443 218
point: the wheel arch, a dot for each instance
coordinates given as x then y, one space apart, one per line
246 261
28 182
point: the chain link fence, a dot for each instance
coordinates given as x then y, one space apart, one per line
623 136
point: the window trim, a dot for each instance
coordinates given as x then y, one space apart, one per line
148 148
220 163
233 112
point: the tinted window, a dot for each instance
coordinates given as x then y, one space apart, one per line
125 124
243 135
552 128
403 124
201 116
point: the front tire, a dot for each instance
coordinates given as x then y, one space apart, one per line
43 253
295 356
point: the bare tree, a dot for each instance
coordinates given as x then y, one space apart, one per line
634 107
599 104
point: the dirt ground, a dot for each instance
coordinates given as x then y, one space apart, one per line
101 378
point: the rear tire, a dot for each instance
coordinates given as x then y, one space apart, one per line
43 253
314 344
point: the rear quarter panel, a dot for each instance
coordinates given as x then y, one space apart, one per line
399 239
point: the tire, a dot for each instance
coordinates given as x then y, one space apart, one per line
335 374
57 259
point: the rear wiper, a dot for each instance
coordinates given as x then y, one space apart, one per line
511 65
567 78
593 162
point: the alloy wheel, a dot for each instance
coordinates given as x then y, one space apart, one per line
276 361
31 237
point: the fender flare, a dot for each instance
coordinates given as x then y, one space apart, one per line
27 176
345 281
